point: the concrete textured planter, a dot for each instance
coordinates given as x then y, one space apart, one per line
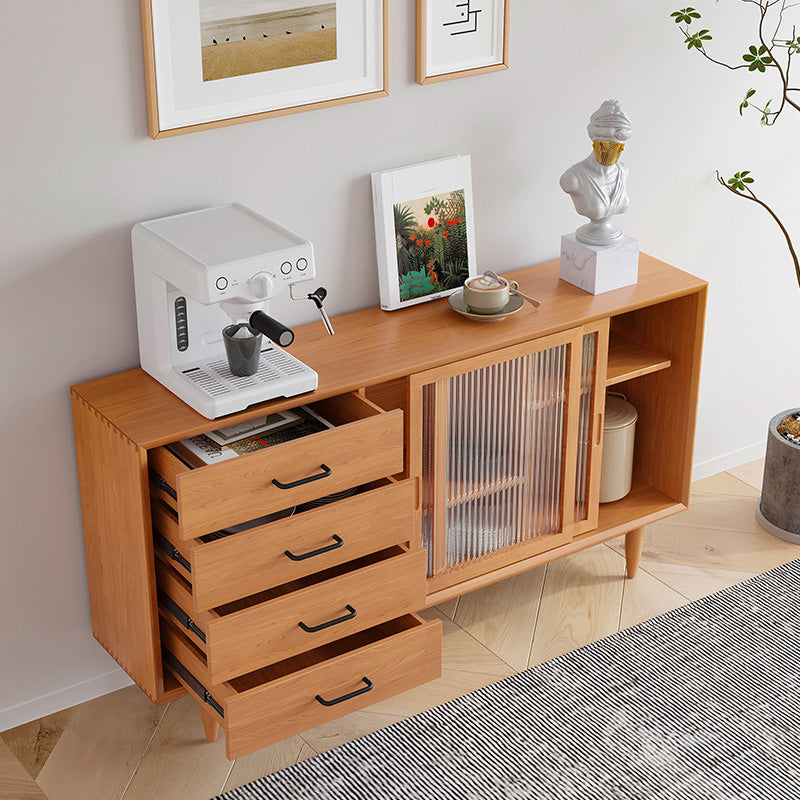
778 510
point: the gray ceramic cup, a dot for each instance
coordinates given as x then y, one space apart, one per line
243 351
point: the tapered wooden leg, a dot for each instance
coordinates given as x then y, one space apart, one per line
633 550
210 725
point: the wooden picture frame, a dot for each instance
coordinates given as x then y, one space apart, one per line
194 85
461 38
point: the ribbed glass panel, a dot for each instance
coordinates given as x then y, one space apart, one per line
585 426
505 427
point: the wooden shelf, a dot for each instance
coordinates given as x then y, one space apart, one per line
627 359
483 490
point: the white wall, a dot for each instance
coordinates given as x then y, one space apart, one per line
79 170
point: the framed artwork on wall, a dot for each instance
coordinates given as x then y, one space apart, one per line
459 38
210 63
424 230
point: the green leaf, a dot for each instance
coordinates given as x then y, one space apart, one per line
685 15
697 39
740 180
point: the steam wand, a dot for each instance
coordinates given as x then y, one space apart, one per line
317 297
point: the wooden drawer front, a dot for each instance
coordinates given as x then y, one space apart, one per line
256 635
220 495
249 562
273 704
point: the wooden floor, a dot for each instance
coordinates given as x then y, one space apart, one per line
121 746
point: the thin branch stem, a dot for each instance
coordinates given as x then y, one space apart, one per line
750 195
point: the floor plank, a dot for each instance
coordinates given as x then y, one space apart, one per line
10 765
33 742
751 552
448 608
345 729
581 602
725 483
266 761
695 582
503 616
461 651
752 473
100 747
645 597
20 789
718 512
179 764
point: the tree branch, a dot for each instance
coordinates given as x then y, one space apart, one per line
750 195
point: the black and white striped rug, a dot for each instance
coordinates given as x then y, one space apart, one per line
699 703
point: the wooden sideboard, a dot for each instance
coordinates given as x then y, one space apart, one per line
476 449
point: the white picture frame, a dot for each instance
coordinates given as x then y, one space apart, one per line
424 230
461 38
180 100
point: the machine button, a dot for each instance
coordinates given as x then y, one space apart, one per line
286 267
222 284
302 263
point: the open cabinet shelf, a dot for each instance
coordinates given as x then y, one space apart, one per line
627 360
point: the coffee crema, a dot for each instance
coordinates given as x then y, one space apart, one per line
483 283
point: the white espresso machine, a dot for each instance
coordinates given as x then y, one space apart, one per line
197 273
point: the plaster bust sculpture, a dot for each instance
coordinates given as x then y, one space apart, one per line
597 184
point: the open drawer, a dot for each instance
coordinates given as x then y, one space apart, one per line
241 564
365 443
295 695
281 622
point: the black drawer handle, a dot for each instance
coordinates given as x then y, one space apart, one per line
350 615
356 693
324 474
337 543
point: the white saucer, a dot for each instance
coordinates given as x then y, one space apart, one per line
456 300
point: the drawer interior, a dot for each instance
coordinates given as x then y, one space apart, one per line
185 650
169 517
173 582
327 652
169 461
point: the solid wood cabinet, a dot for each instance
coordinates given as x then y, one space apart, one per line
475 449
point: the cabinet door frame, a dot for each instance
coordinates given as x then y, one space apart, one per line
438 377
595 433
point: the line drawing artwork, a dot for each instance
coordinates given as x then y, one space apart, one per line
469 17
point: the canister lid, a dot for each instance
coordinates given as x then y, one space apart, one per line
619 413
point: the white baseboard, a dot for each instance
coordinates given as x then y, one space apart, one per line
725 462
63 698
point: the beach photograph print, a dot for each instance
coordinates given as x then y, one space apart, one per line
431 239
242 37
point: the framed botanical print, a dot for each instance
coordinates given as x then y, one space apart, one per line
424 230
220 62
459 38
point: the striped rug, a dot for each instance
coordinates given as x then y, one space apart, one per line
699 703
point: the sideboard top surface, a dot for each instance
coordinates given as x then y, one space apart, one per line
373 346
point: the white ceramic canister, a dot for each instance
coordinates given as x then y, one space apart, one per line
619 428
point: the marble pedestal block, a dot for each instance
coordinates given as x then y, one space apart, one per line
599 268
778 510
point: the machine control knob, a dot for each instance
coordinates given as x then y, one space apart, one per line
302 263
262 285
286 267
222 284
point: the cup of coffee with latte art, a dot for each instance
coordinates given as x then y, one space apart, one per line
485 294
